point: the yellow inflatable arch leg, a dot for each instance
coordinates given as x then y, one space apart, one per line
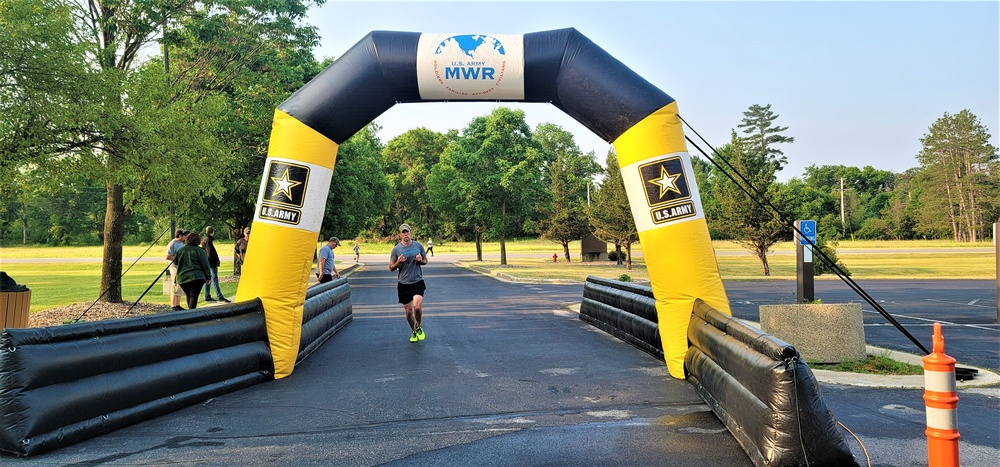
673 233
290 207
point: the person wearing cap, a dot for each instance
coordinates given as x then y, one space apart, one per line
208 244
240 252
327 270
407 257
173 247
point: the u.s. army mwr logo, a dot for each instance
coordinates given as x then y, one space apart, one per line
284 192
667 191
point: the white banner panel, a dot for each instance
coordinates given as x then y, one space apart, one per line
662 191
470 66
293 194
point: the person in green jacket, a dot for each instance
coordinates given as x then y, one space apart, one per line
193 269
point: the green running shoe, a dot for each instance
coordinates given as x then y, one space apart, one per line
420 333
413 337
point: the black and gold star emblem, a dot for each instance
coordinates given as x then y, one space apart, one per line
664 181
286 183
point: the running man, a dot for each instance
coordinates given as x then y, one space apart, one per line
407 257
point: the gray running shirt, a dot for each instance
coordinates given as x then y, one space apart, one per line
174 246
409 272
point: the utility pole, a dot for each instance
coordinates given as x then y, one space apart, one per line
843 226
166 77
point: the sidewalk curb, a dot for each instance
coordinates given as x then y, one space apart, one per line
984 379
504 277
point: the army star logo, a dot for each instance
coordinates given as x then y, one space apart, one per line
286 183
283 185
667 182
664 181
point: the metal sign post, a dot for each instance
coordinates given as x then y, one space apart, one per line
803 260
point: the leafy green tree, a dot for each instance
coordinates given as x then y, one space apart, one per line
755 227
493 173
46 99
609 212
763 135
822 263
704 172
150 145
562 216
408 161
860 194
255 55
448 192
956 159
359 191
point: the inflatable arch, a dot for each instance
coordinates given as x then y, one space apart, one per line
561 67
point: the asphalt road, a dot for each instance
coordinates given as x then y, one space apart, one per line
509 376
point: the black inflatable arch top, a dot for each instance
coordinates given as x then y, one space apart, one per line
381 70
560 67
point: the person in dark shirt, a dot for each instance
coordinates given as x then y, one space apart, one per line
193 270
241 252
208 243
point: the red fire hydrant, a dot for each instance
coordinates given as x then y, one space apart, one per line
555 257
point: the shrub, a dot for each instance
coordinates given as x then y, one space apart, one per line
612 256
625 278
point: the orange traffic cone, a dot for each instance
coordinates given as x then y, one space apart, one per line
942 405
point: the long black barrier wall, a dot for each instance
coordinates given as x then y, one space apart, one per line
326 311
63 384
624 310
763 392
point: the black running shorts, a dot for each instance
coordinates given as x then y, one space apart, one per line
408 291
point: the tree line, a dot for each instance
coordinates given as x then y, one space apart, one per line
117 116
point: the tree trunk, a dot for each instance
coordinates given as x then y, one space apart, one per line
479 244
565 244
618 254
763 262
503 233
114 232
24 223
628 256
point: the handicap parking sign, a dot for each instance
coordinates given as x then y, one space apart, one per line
808 229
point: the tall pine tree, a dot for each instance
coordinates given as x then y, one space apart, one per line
609 211
762 134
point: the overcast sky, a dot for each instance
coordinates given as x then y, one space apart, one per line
856 83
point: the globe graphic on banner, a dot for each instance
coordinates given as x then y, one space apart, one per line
470 65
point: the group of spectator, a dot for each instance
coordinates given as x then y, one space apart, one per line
194 265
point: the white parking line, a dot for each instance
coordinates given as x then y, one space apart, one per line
945 323
972 303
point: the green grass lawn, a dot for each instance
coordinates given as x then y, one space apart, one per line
56 284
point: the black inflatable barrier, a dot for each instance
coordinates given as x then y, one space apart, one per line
756 384
63 384
327 309
624 310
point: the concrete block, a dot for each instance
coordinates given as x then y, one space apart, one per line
821 332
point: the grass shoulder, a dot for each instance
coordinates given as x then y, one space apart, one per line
874 364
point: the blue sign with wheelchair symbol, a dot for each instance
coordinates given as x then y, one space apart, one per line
808 229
